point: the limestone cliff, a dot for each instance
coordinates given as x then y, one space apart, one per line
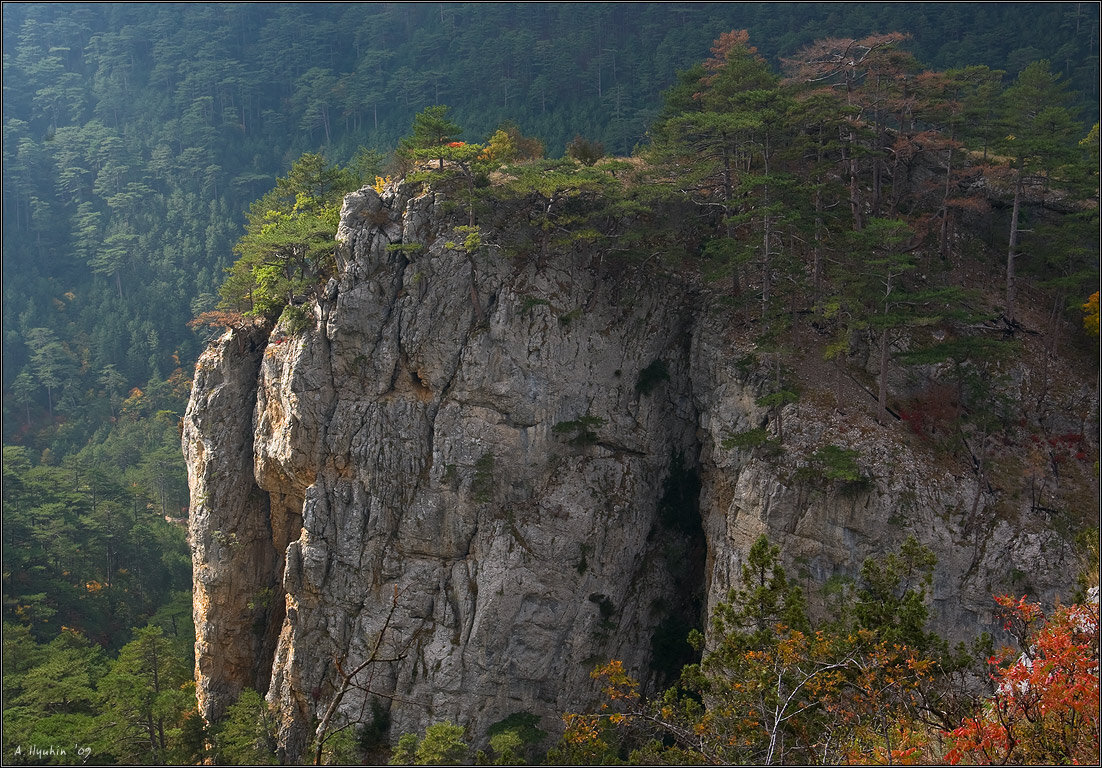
526 459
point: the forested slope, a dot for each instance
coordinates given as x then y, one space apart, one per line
136 136
873 279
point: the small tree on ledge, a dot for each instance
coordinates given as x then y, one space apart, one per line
432 131
288 244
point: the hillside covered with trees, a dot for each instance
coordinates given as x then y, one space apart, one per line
136 136
856 171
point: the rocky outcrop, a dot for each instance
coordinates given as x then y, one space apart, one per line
826 530
234 554
486 474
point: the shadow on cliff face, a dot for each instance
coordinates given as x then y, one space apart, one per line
679 523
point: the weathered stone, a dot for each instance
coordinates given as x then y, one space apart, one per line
235 561
465 436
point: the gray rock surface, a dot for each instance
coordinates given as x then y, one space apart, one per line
468 439
234 554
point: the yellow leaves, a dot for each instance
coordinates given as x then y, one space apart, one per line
500 149
581 728
303 202
836 695
273 220
135 401
380 182
1090 310
1091 139
620 685
611 668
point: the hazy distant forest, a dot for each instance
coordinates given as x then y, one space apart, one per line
135 138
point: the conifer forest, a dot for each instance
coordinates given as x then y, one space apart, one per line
921 177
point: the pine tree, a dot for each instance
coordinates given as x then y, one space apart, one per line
431 131
147 695
1040 141
244 736
878 289
725 129
288 244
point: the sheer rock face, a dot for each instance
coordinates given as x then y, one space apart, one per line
461 470
825 532
232 547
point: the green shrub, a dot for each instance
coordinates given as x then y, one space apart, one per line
585 151
568 317
836 465
443 744
295 319
374 734
778 399
530 302
406 249
583 562
516 739
604 605
246 735
751 440
582 429
482 487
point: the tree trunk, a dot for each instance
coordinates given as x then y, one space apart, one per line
854 191
882 394
322 732
818 264
151 730
851 162
161 738
877 172
943 238
767 234
780 406
728 193
1012 251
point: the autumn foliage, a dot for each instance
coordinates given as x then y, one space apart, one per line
870 689
219 318
1090 314
1046 703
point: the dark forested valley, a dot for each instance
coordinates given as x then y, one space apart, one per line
154 155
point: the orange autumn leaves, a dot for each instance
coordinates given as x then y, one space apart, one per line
825 699
794 701
1045 707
